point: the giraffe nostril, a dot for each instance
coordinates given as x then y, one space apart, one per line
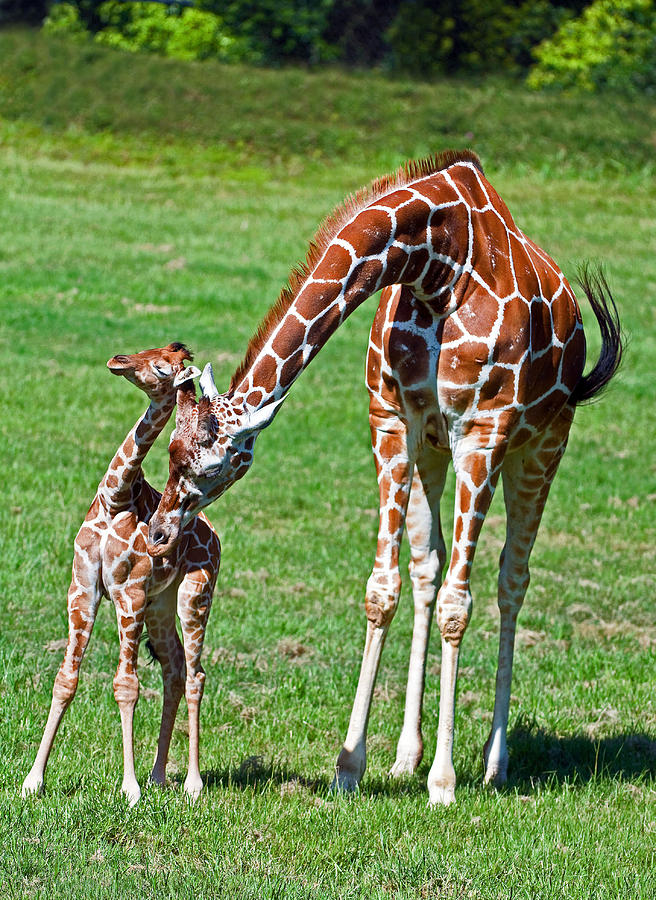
159 537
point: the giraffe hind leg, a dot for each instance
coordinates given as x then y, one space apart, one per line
527 475
194 603
477 472
83 601
163 636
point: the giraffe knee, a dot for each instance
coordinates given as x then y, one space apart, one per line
514 578
425 577
126 689
382 598
65 686
453 613
194 687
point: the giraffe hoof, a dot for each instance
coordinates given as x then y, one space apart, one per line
403 765
441 795
496 776
193 788
132 793
157 778
344 782
32 786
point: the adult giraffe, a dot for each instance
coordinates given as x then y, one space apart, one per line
476 354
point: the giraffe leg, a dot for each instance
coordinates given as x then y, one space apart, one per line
427 557
477 472
130 602
163 637
83 601
382 594
527 475
194 602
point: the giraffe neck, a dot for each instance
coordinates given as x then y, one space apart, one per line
414 235
116 487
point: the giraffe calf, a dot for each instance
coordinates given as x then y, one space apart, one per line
111 560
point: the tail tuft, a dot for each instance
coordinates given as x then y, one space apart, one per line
595 286
151 651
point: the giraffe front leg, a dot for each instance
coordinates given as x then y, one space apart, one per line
130 613
427 557
477 473
194 602
83 600
382 595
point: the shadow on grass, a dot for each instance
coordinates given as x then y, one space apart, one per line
536 757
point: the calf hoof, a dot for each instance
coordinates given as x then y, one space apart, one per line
132 793
32 785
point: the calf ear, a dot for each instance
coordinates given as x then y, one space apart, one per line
186 375
207 428
186 400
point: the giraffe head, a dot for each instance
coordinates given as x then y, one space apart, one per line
156 372
211 447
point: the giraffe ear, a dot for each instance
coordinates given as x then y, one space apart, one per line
185 375
186 401
207 385
253 422
207 427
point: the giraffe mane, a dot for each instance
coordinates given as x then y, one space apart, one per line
354 203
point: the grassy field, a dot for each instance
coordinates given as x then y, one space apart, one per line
144 201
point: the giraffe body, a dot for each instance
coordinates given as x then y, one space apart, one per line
476 355
111 560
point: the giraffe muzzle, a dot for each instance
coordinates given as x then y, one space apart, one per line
160 539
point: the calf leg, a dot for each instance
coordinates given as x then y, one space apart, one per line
83 601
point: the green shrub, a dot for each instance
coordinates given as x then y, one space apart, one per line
612 44
432 36
278 31
64 18
185 33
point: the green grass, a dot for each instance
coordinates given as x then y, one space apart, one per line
92 212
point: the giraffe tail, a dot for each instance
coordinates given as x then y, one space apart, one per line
150 647
595 287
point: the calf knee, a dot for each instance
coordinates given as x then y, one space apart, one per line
194 687
382 598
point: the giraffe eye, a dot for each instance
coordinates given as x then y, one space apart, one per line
162 373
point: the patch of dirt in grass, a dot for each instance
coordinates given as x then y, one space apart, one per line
293 650
239 660
247 713
528 638
593 628
59 644
607 719
384 692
